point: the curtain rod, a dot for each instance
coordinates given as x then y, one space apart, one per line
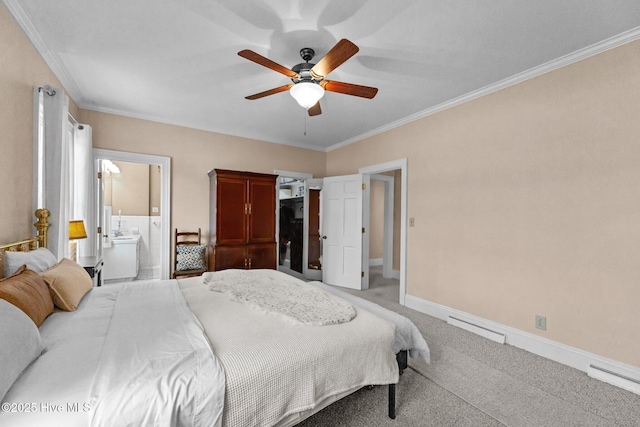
51 92
73 118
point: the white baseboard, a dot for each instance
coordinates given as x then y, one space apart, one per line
614 378
375 261
602 368
395 274
478 330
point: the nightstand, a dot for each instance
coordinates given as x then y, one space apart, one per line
93 266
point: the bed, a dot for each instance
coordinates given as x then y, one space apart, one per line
187 352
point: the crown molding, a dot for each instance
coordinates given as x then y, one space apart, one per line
49 56
151 118
579 55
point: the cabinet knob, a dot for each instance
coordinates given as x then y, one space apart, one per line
324 237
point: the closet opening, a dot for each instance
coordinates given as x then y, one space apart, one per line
299 240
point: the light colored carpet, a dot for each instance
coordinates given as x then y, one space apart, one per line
472 381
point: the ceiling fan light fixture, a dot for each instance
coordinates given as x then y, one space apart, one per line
307 94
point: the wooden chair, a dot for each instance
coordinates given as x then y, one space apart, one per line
190 252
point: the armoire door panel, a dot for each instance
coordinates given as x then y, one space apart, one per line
232 206
262 216
230 257
262 255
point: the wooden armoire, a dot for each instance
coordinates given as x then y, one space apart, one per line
242 220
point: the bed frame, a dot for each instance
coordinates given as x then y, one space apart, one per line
401 358
40 241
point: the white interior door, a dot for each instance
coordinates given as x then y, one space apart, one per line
341 213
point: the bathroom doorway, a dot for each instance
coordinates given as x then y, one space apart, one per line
133 211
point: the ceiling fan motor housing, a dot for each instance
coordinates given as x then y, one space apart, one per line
304 68
304 72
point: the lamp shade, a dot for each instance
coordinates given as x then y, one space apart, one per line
307 94
77 230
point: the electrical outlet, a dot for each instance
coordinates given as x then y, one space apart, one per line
541 322
412 222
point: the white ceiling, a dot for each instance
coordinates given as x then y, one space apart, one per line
175 61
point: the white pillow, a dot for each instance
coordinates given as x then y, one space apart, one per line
21 344
39 261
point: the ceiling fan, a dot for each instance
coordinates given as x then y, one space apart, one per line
309 82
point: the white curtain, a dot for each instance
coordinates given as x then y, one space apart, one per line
52 180
83 187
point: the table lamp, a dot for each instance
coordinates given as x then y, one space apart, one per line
76 231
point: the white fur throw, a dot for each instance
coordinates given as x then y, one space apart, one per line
273 292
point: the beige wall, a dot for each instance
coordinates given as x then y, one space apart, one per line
129 190
376 220
526 201
193 154
155 189
21 69
376 243
397 217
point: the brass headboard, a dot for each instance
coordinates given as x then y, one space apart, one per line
40 241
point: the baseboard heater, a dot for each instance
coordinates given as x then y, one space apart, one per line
614 378
478 330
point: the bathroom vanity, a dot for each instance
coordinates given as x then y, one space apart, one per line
122 259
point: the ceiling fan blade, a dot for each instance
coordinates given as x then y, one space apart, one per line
266 62
269 92
349 89
338 54
315 110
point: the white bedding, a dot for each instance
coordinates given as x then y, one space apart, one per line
276 370
164 375
408 336
98 368
130 351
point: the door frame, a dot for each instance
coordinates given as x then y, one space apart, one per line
386 167
165 196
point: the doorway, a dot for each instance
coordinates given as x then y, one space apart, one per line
291 225
149 228
381 222
298 196
398 271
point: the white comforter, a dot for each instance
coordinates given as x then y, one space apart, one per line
163 375
278 373
408 336
129 355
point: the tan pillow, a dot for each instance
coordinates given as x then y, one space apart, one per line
68 282
27 290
